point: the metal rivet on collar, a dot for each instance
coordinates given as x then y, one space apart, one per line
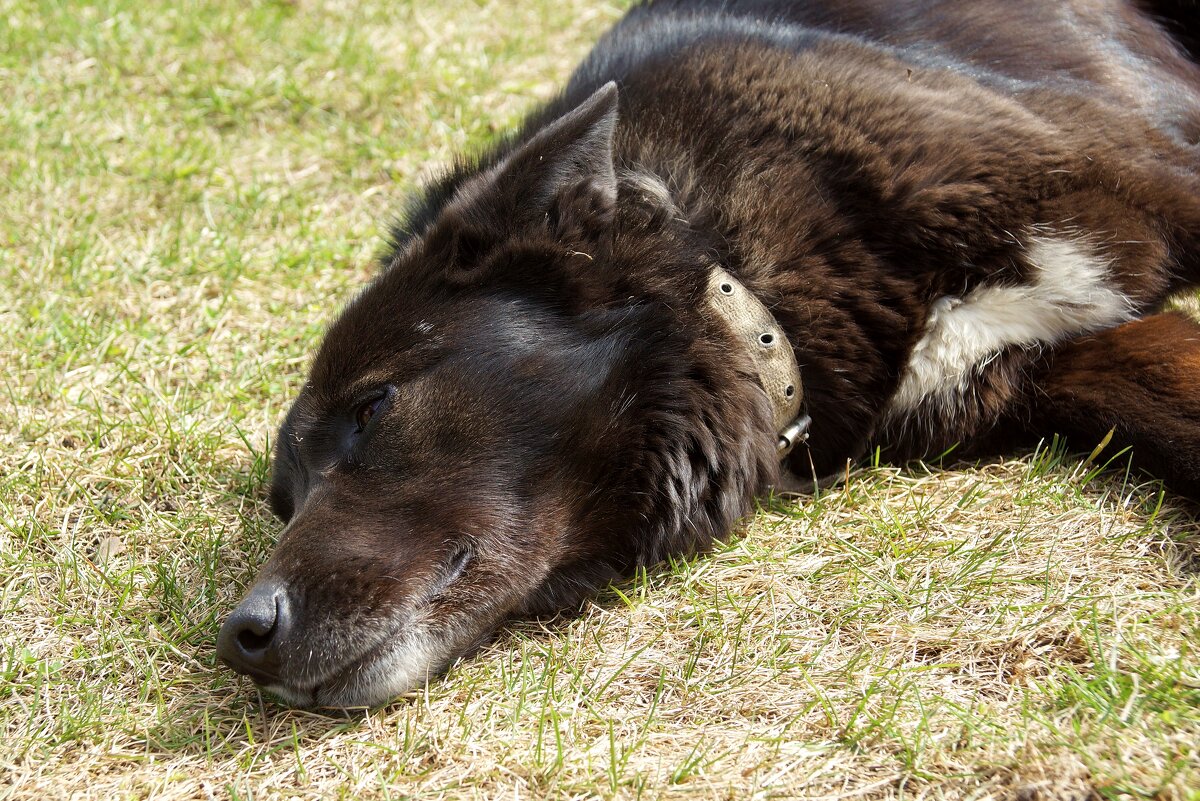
766 339
726 288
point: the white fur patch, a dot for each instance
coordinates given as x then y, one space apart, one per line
1071 293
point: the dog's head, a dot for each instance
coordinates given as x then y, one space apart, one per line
490 429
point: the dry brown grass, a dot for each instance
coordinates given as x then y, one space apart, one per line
190 194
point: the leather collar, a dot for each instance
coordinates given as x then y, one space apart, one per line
753 325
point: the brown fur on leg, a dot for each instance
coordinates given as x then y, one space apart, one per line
1141 380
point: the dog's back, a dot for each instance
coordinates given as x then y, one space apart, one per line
1106 48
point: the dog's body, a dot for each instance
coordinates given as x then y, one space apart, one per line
965 215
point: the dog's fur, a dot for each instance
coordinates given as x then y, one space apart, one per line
965 214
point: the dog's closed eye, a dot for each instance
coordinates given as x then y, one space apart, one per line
366 410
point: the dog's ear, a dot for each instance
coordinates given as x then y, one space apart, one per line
562 180
569 167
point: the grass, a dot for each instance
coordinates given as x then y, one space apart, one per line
190 191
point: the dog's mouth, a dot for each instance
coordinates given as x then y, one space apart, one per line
414 647
350 682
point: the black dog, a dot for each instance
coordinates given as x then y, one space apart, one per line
913 224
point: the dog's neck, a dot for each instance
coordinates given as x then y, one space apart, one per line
755 328
747 320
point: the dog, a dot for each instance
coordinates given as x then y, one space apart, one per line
749 243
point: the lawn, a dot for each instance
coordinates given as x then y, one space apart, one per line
191 190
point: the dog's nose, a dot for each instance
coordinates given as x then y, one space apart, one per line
251 637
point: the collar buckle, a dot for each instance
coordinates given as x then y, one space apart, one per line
795 433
